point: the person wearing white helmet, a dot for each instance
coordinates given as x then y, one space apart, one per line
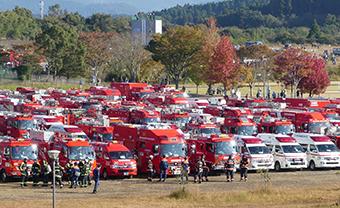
150 168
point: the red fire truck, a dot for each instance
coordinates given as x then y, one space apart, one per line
104 92
15 125
276 126
144 116
156 140
239 126
216 148
180 119
132 91
309 122
302 102
12 153
97 133
115 159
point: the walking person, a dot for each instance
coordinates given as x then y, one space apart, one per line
75 175
150 168
68 171
229 166
59 172
199 171
46 170
96 177
164 165
185 170
244 168
206 169
36 170
24 172
81 166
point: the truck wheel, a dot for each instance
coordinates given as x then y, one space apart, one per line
277 167
312 165
3 176
105 176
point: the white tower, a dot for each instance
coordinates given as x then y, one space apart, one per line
42 5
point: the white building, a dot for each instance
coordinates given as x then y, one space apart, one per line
144 27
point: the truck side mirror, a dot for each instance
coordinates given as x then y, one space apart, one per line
155 148
7 152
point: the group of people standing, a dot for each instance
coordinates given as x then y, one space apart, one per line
77 173
201 170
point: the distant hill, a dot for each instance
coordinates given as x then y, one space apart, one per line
254 13
88 7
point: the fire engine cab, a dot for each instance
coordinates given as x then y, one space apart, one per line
288 154
115 159
12 153
321 151
276 126
156 140
68 131
216 148
256 151
15 124
239 126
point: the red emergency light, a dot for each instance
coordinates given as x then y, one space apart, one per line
252 140
286 139
321 139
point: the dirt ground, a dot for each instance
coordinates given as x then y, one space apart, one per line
287 189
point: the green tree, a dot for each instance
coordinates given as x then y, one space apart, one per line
175 49
62 48
100 23
315 32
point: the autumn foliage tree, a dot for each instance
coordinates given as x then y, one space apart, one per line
224 63
317 81
293 65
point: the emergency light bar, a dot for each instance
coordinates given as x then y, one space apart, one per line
320 138
286 139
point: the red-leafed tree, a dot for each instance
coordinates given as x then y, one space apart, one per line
317 81
224 63
292 65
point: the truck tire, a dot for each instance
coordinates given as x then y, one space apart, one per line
312 165
3 176
105 175
277 167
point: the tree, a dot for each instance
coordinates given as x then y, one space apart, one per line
62 48
100 23
175 49
317 81
292 65
315 32
258 60
224 63
200 68
99 47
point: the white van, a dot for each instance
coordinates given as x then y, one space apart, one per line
259 154
288 154
321 151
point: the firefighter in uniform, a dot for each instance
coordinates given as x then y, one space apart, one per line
88 171
75 175
82 169
59 171
68 170
46 170
150 168
24 172
205 169
36 172
85 173
229 166
199 171
244 168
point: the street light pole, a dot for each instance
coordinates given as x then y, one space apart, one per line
54 197
53 155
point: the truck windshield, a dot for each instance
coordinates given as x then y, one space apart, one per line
292 149
327 148
210 131
121 155
182 120
318 127
106 137
246 130
80 153
22 152
258 150
284 129
224 148
25 124
150 120
173 150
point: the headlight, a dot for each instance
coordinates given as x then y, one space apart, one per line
133 165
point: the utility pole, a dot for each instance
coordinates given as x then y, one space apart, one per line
42 5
